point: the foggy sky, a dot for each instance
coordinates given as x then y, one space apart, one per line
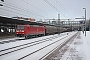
39 9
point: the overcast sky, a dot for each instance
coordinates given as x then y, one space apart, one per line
45 9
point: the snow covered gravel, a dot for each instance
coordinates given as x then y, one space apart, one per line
78 49
36 56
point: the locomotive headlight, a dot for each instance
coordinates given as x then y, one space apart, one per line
17 31
22 31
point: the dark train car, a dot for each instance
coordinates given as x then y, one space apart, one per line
50 29
30 30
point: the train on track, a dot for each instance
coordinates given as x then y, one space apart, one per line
37 30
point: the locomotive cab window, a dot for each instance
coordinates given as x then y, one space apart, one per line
20 27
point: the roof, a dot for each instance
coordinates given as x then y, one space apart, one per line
6 20
10 22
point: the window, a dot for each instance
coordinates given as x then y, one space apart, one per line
20 27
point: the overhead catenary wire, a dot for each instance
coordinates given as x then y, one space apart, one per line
51 5
35 7
42 10
27 12
6 13
12 11
21 9
59 3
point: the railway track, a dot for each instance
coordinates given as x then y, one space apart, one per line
74 53
3 42
23 46
13 40
62 52
16 48
41 48
26 46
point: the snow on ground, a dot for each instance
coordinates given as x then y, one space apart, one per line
20 53
86 44
13 38
78 49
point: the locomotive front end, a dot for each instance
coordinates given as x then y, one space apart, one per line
20 30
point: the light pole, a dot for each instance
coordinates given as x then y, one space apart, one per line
58 22
63 25
85 20
83 27
68 23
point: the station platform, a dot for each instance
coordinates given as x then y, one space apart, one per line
80 49
6 35
76 49
86 44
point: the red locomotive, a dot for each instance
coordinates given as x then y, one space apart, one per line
30 30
